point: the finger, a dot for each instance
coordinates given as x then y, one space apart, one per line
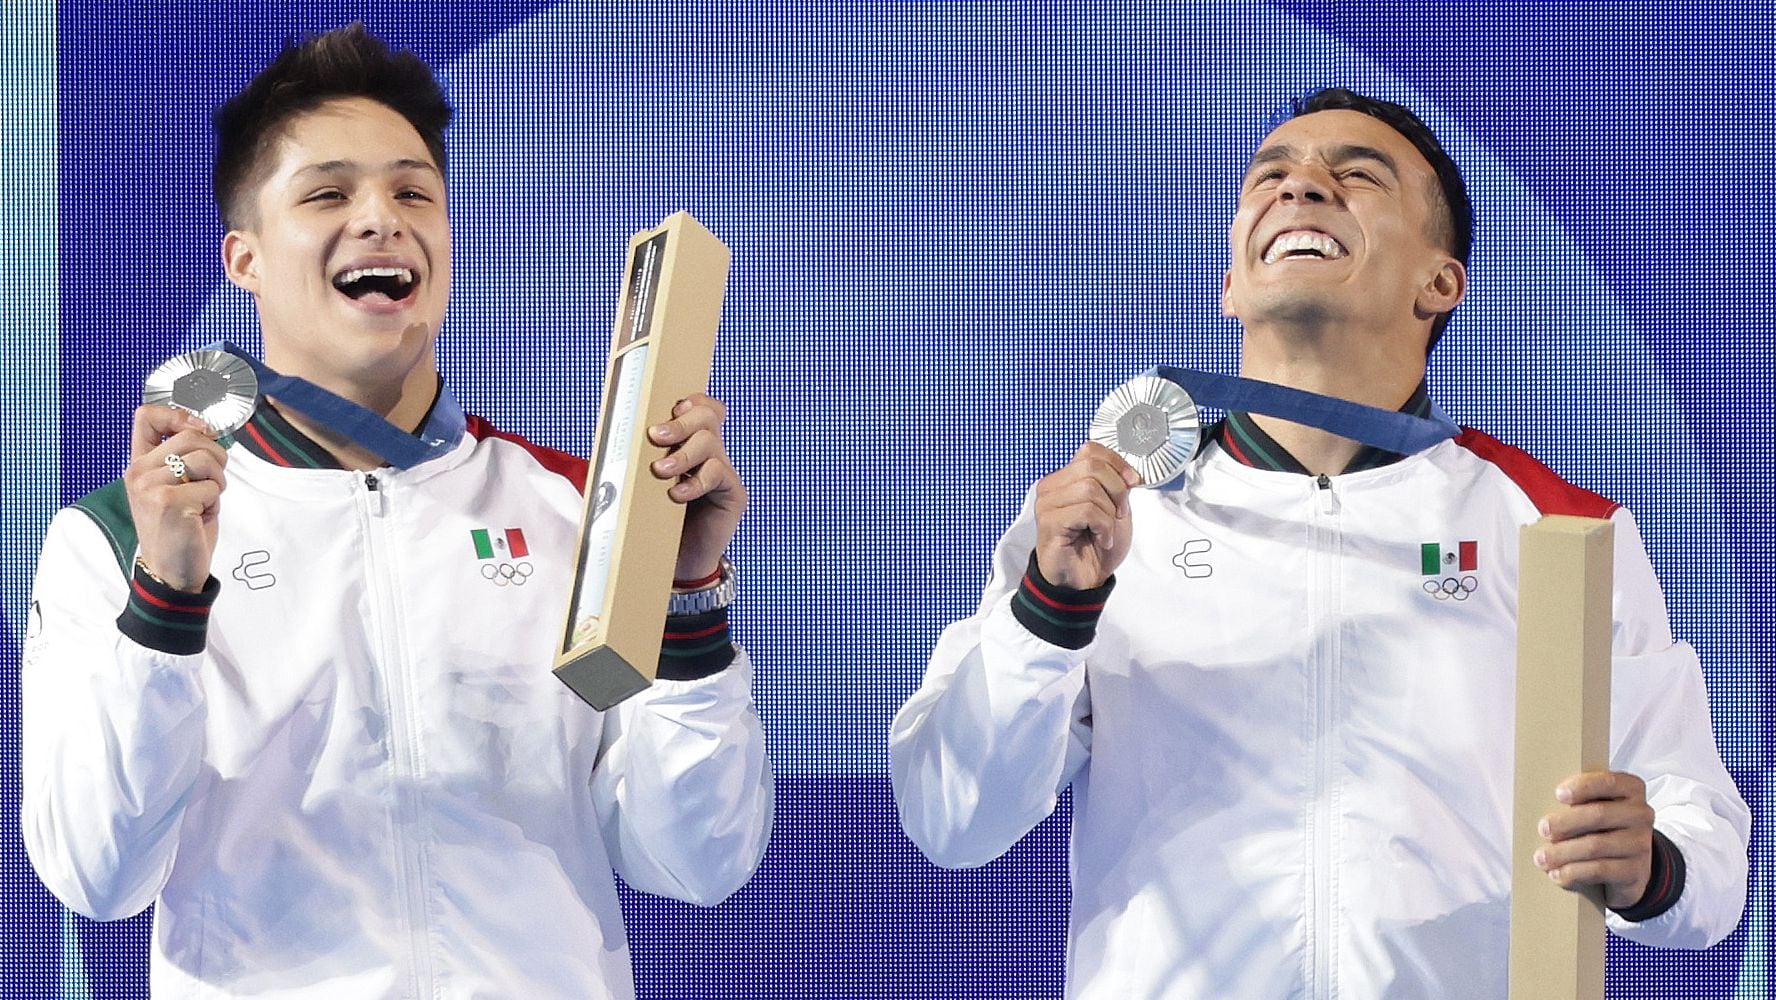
1594 785
1104 472
151 470
689 415
150 425
1062 484
1617 844
187 443
1072 522
1595 817
1603 872
196 499
1077 493
711 478
204 465
1096 451
701 400
197 459
697 449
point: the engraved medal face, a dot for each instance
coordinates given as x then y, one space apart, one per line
1152 423
215 385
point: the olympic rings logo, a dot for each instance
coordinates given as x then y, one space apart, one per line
506 574
1451 588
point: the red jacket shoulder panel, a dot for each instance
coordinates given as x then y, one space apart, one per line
1544 487
571 467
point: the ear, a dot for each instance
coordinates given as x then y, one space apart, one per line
240 259
1445 290
1227 293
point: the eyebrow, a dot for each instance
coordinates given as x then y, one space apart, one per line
352 166
1341 153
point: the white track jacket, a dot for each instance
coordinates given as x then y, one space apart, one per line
1290 745
369 783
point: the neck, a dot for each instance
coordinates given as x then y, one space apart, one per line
1368 369
403 405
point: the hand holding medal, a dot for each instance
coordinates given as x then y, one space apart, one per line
1143 434
175 478
1083 526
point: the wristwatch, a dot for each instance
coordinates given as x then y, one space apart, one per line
705 599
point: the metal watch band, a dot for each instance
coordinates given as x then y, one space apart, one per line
705 599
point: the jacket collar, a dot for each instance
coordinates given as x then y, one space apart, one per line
1247 443
269 436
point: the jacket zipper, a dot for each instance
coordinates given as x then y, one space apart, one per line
410 864
1324 615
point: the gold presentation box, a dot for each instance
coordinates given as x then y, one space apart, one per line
661 351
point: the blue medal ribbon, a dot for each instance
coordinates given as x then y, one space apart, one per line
364 427
1389 430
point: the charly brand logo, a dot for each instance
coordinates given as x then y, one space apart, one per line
252 571
1192 560
503 557
1449 570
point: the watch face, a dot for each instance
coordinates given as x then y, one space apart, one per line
1152 423
215 385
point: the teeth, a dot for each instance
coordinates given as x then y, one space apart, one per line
357 274
1299 240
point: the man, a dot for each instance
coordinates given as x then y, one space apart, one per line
347 769
1290 758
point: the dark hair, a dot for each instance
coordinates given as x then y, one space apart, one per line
343 63
1458 235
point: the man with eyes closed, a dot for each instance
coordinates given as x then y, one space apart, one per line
346 769
1282 692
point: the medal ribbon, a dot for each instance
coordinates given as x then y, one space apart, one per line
1389 430
363 427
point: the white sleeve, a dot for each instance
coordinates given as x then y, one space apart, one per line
683 786
1661 730
997 729
113 733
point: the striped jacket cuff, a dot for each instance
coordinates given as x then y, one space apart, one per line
164 619
1665 885
695 646
1058 615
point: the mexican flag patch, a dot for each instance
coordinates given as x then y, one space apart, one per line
512 540
1439 557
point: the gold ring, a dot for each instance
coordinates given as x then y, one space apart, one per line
176 465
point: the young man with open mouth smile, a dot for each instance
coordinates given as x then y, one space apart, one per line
347 770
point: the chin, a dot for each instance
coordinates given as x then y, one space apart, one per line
1295 310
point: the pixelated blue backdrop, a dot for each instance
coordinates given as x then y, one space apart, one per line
954 226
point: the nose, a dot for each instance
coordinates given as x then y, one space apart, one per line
1305 184
377 217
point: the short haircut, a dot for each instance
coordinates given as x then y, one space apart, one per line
344 63
1455 229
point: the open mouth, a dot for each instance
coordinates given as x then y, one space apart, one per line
393 284
1304 244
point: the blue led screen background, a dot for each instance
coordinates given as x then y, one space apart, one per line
954 226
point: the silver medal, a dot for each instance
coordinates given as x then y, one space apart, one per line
1152 423
215 385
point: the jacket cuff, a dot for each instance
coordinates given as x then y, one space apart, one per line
1665 885
1060 616
161 618
695 646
